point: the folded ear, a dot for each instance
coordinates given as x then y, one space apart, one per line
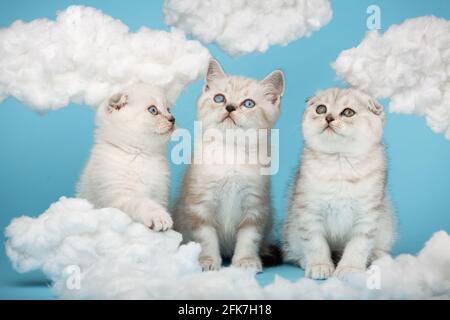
375 107
274 85
309 101
214 72
117 101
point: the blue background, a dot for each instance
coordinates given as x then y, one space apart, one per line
42 156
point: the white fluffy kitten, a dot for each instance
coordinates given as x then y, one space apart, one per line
339 202
226 206
127 168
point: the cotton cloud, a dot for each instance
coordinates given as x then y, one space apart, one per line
84 56
240 27
410 64
122 259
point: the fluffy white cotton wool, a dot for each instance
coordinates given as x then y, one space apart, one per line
85 56
241 27
102 253
410 64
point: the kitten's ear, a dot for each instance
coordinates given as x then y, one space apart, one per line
274 86
117 102
375 107
310 101
214 72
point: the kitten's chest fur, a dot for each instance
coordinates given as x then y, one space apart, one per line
229 186
341 190
112 172
151 173
338 179
230 194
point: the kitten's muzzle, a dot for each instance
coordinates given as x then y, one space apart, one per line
171 119
329 126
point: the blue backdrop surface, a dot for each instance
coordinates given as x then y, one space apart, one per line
42 156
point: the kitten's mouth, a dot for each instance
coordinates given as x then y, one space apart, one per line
331 130
328 128
228 116
168 131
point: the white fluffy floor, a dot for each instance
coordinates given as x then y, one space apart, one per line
122 259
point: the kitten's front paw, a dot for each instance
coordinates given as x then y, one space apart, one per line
158 220
319 271
209 263
248 263
342 271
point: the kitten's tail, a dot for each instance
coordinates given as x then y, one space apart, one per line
271 255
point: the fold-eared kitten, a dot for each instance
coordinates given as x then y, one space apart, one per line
127 168
339 202
225 206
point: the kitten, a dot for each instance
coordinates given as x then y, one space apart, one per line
339 202
127 168
225 206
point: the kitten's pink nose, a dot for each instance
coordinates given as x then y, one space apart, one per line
329 118
171 119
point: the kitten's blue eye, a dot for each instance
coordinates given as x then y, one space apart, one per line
219 98
248 103
153 110
321 109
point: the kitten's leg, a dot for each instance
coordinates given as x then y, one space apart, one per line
209 258
246 252
360 246
195 216
146 211
371 238
386 233
355 256
307 244
252 228
318 257
378 254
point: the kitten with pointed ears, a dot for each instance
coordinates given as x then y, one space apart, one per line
226 207
339 203
127 168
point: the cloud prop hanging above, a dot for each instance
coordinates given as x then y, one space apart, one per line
410 64
102 253
241 27
84 56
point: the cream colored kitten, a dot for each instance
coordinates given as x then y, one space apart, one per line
225 205
339 202
127 168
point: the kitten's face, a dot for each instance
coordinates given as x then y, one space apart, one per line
140 110
342 121
230 102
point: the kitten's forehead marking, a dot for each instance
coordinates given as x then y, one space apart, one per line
238 87
339 97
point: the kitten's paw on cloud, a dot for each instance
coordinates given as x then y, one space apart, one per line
209 263
319 271
248 263
342 271
158 221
